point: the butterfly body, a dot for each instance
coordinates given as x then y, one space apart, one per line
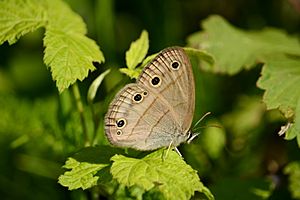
158 109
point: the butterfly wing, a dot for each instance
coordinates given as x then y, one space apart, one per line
176 87
158 108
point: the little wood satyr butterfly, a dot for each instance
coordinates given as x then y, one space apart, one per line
158 109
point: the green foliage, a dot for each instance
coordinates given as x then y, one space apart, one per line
70 57
170 177
137 50
213 141
293 170
19 18
280 78
234 49
244 49
39 130
200 55
135 55
68 52
81 174
95 86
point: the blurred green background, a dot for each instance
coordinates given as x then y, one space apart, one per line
39 128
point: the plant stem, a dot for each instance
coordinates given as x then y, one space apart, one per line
79 106
95 123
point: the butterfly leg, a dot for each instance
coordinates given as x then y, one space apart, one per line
168 149
165 155
177 151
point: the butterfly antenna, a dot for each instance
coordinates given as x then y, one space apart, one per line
208 126
208 113
192 137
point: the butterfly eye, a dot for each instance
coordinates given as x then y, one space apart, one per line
175 65
121 123
155 81
137 97
119 132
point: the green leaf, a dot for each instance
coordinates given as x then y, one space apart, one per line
61 17
82 174
289 130
293 170
95 85
70 56
200 55
281 81
18 17
88 167
137 51
171 176
148 59
234 49
135 55
68 52
294 130
132 73
135 73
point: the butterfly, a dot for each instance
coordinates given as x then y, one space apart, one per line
157 110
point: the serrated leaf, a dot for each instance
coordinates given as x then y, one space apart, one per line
137 51
95 85
234 49
294 130
18 17
68 52
88 167
281 81
70 56
172 176
293 170
61 17
82 174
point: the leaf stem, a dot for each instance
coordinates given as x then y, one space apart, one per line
79 106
